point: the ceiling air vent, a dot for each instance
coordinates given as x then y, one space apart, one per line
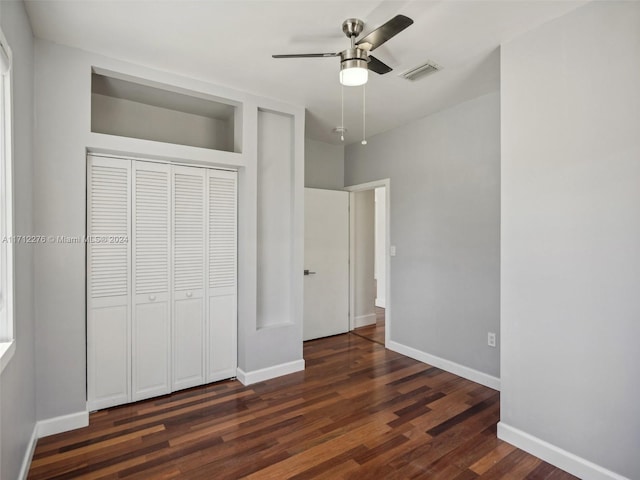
421 71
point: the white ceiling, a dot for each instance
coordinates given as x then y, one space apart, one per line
230 43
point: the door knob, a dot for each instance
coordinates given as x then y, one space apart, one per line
152 297
307 272
189 294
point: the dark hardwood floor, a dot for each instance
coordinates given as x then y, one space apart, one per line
374 332
358 411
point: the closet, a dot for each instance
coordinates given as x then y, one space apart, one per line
161 278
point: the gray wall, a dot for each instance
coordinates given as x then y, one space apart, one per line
445 214
363 210
571 234
117 116
275 167
17 383
323 165
59 201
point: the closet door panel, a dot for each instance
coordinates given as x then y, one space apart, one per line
222 337
108 356
188 277
151 348
222 274
188 345
108 282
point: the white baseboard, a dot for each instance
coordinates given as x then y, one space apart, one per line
51 426
28 455
364 320
255 376
381 303
64 423
452 367
556 456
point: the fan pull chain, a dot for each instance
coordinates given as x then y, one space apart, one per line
342 113
364 124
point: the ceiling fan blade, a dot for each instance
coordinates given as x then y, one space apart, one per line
306 55
383 33
377 66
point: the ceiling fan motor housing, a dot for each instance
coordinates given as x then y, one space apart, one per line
352 27
354 57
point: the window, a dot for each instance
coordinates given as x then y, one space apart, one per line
7 344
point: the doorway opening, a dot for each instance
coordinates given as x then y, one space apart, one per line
369 289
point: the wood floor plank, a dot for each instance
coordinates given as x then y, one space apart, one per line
312 454
358 411
498 453
517 465
541 472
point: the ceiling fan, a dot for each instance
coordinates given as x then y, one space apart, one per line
355 62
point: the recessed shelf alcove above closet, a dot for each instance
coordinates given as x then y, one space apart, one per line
128 109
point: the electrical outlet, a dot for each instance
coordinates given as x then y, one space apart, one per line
491 339
392 250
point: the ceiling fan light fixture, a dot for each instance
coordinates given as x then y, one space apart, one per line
354 75
354 68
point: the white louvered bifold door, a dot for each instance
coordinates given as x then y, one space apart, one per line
161 278
221 274
151 252
188 276
108 282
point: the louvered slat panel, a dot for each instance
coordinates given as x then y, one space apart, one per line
151 231
188 227
222 232
109 207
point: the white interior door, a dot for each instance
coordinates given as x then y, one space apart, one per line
151 350
326 263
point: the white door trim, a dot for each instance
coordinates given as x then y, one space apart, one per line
386 183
